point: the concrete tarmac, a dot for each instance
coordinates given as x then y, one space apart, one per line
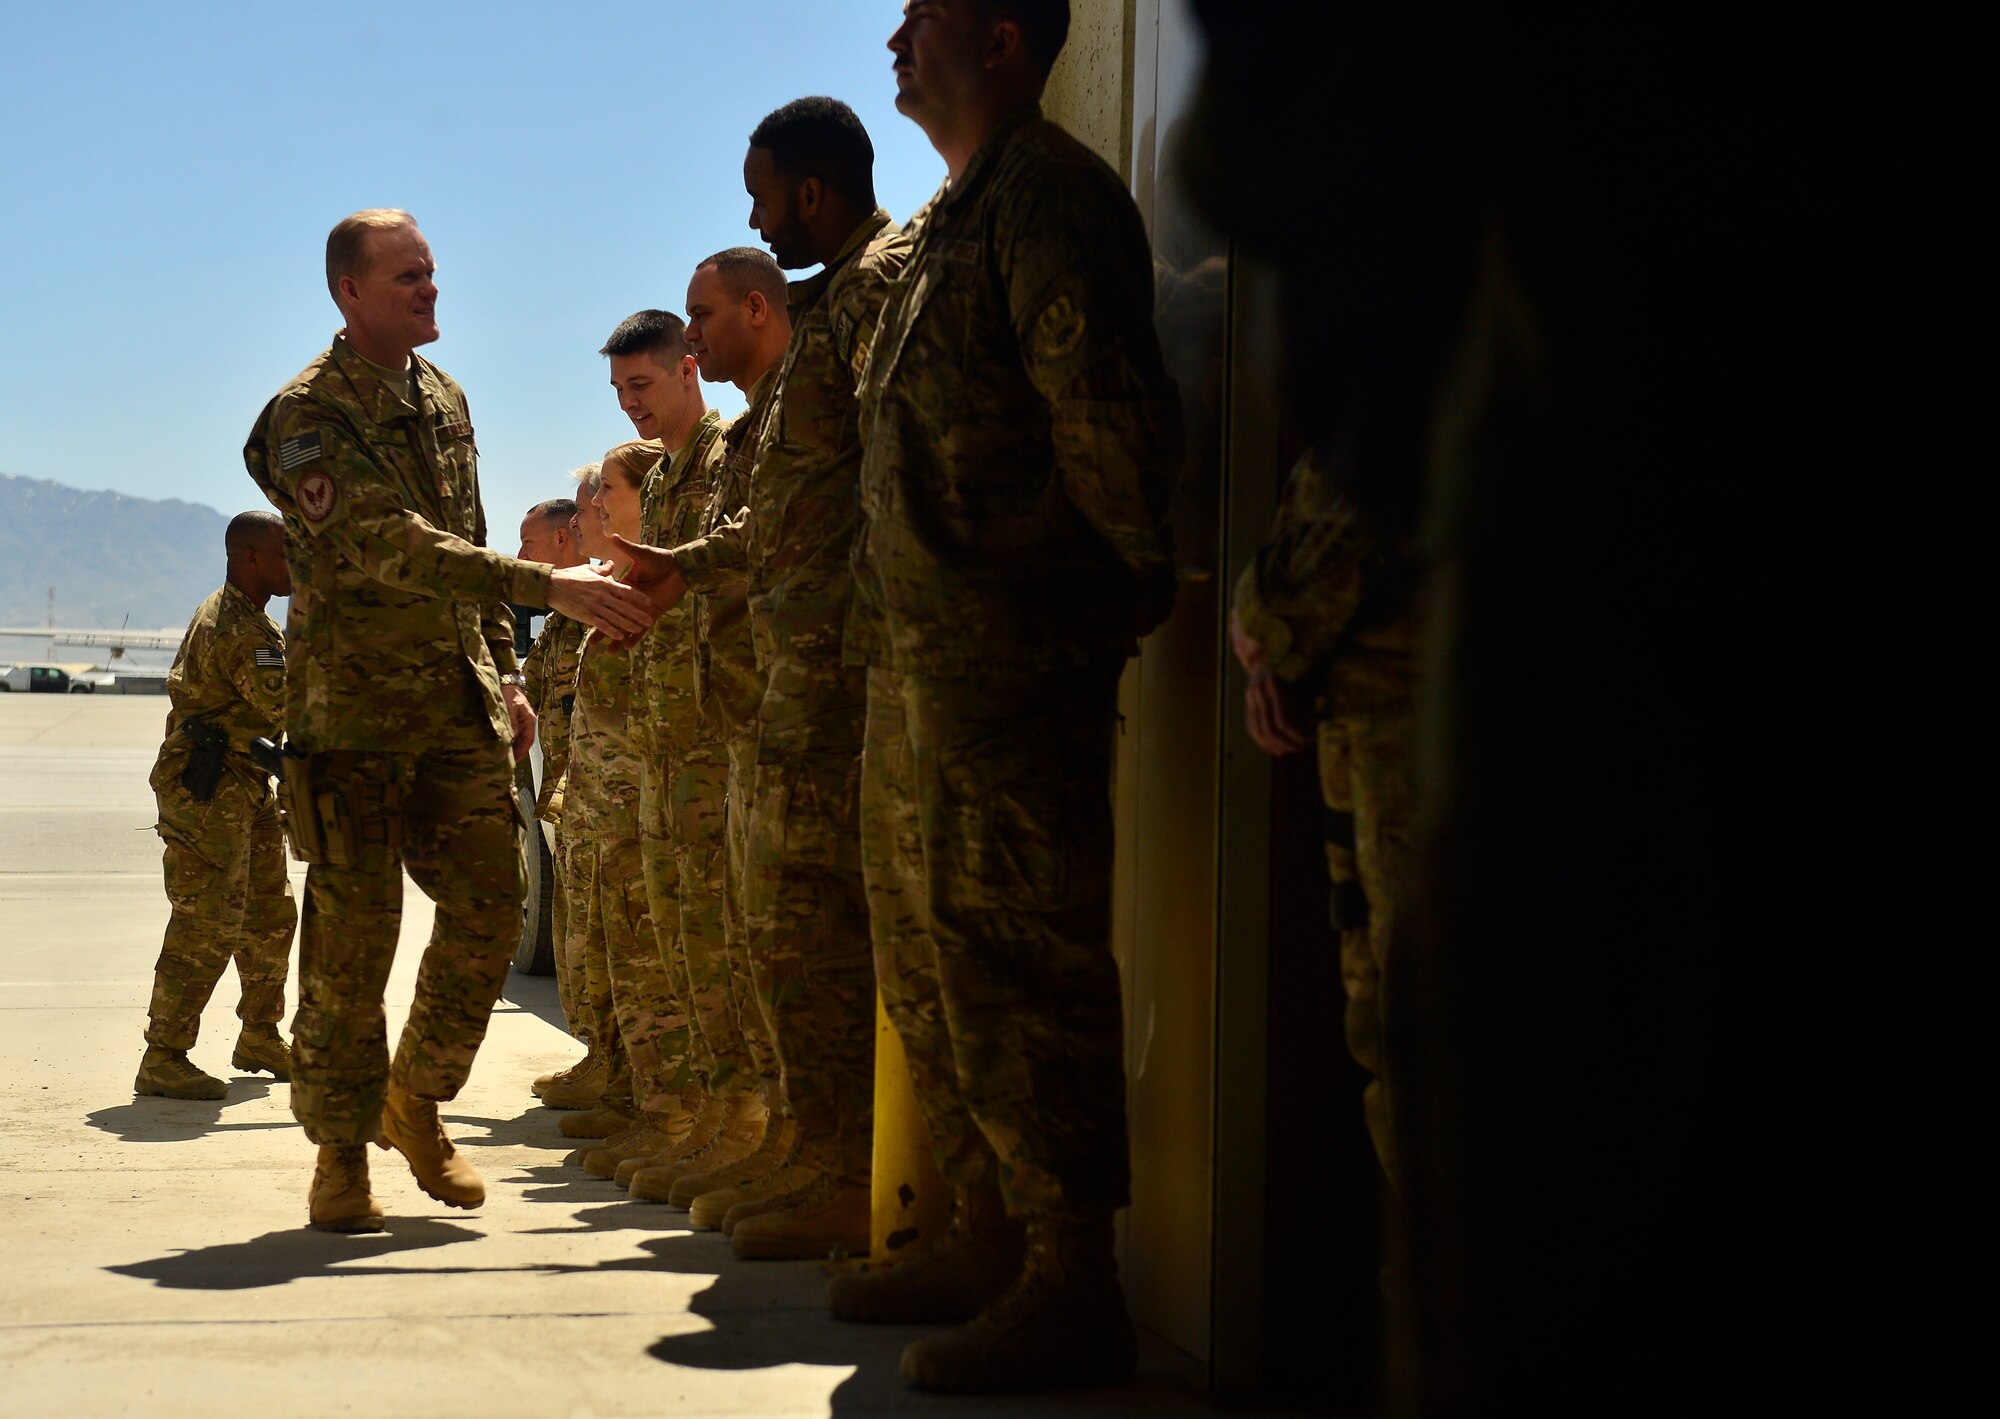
154 1257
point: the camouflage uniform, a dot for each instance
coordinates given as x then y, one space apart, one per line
729 687
684 789
1331 603
225 858
601 816
399 632
1019 435
803 900
550 671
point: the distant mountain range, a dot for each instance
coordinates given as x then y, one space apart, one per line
107 556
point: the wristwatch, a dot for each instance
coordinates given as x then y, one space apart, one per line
514 677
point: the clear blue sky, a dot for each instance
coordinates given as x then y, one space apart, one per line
168 173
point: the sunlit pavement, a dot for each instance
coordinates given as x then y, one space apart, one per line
154 1255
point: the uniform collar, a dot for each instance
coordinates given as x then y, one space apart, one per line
969 180
760 392
800 295
381 400
678 460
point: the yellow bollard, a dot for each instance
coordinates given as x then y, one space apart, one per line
911 1198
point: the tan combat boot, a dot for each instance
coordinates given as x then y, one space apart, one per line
951 1276
410 1126
340 1200
718 1165
542 1081
710 1113
581 1086
1061 1325
650 1134
167 1074
262 1048
831 1218
731 1186
781 1189
607 1119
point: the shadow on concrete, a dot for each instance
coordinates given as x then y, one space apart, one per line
277 1258
537 1128
534 994
559 1182
763 1313
150 1120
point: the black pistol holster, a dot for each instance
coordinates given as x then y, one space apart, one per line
204 765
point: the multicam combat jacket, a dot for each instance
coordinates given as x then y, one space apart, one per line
400 624
675 499
230 675
1020 432
727 683
804 507
1331 601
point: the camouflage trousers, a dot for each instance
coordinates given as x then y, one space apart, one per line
986 846
231 900
626 979
683 817
806 913
584 984
448 816
569 973
1364 778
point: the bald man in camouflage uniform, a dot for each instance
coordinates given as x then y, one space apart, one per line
1323 624
225 854
1019 434
400 638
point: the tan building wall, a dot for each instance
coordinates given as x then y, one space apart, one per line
1090 89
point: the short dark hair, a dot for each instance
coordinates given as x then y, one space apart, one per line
823 138
1044 26
747 268
555 509
249 530
659 333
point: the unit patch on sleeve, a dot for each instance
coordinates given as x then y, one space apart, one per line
297 451
316 496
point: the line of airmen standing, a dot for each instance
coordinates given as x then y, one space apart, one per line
839 718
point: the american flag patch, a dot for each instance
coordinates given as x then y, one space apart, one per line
297 451
269 658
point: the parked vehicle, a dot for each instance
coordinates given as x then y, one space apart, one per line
43 680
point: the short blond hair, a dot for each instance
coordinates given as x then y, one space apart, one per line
632 461
347 243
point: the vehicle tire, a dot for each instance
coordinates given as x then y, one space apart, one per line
78 687
536 954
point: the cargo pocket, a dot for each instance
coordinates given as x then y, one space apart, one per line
1008 836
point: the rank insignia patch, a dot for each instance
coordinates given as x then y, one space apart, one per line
316 496
297 451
